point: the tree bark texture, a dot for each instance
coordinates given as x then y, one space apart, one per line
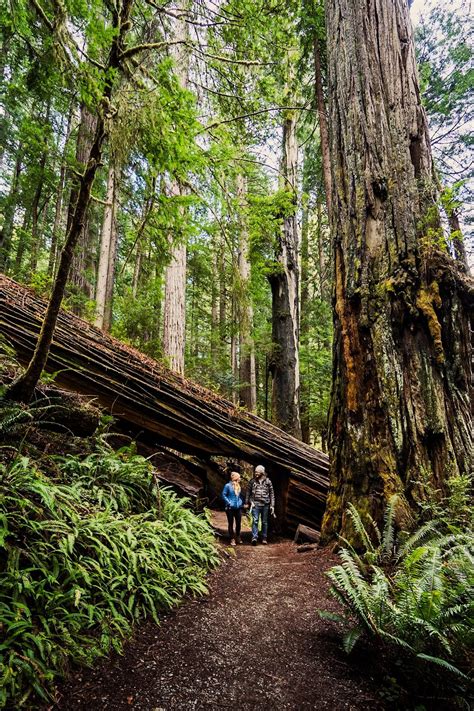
59 207
400 416
174 315
247 380
323 123
108 242
304 323
82 263
285 300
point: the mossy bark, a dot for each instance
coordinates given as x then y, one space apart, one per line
400 417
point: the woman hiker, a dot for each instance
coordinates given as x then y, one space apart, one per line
261 497
233 501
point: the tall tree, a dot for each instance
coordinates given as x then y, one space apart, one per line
284 282
174 315
81 267
247 382
400 411
107 251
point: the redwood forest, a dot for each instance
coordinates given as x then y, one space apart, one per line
236 355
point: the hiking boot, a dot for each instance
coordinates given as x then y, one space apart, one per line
232 542
264 541
238 540
254 541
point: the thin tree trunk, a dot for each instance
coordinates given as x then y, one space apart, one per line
400 414
322 264
23 388
247 382
234 361
35 205
9 213
174 317
22 241
304 321
222 296
215 335
7 35
323 124
58 212
81 267
137 270
35 214
285 296
108 241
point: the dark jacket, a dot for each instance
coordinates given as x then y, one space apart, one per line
260 491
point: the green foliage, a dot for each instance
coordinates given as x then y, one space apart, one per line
444 47
85 554
414 593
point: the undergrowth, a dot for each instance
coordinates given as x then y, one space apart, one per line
89 546
413 594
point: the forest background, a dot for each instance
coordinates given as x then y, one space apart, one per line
210 197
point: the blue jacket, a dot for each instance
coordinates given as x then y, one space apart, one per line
231 499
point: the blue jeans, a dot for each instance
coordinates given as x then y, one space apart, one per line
262 511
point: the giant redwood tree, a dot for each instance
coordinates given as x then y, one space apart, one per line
400 414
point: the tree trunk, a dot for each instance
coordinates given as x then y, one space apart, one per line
174 317
23 388
400 415
58 212
81 267
247 381
221 265
285 315
304 322
322 264
22 241
108 241
215 335
7 35
109 297
35 242
234 361
323 124
9 213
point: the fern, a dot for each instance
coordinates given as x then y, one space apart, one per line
86 557
414 593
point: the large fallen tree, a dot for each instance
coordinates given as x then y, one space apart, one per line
163 408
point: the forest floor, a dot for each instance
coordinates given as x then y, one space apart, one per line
255 642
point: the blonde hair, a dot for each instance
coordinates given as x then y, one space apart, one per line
235 482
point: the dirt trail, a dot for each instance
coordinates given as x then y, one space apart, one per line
256 642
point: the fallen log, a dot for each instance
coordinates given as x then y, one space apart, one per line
162 408
306 533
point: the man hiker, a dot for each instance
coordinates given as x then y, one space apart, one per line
261 497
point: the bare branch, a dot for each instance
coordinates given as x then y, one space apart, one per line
215 124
